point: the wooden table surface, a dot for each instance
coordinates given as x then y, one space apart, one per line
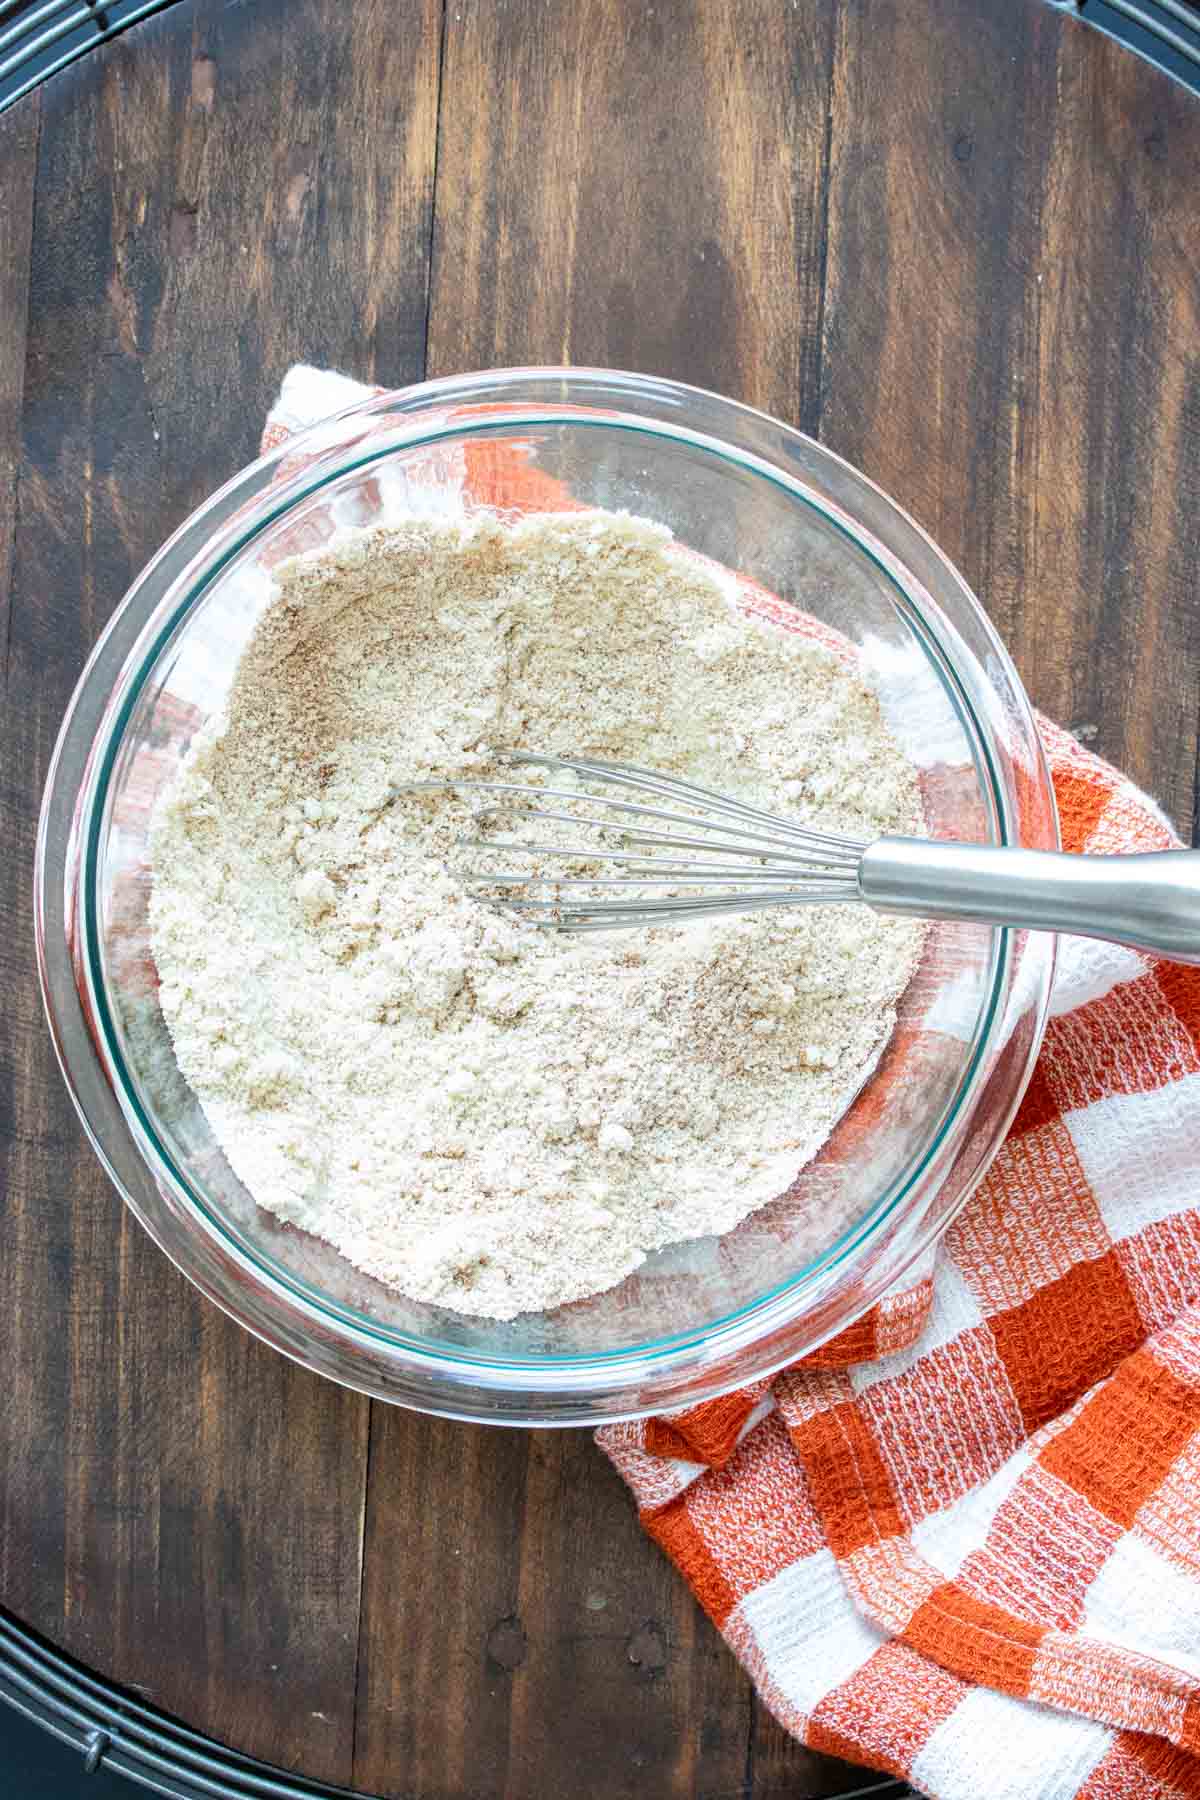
958 240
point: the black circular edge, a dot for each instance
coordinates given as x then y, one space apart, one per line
113 1729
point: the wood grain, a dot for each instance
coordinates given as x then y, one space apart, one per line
643 189
522 1638
18 158
179 1506
957 239
1011 345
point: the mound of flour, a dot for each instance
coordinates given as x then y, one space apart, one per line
481 1115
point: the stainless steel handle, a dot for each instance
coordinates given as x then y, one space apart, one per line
1149 901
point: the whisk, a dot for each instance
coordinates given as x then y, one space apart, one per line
645 848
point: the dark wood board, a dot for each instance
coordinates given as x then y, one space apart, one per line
1011 346
958 240
179 1506
18 157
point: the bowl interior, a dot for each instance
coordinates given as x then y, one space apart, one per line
768 531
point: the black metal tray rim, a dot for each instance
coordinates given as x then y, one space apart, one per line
113 1730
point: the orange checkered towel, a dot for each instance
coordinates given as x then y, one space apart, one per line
974 1561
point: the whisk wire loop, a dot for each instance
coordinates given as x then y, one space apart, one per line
614 875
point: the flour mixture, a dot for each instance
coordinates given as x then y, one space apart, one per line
479 1114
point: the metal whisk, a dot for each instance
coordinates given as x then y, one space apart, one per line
643 848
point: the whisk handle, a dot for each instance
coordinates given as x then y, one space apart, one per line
1149 901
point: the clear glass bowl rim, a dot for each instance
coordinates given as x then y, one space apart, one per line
724 1350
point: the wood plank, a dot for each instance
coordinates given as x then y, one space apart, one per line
218 193
34 1383
643 189
18 158
1009 345
521 1637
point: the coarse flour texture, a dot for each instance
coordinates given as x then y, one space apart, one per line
479 1114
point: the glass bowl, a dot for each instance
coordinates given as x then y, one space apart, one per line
782 513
